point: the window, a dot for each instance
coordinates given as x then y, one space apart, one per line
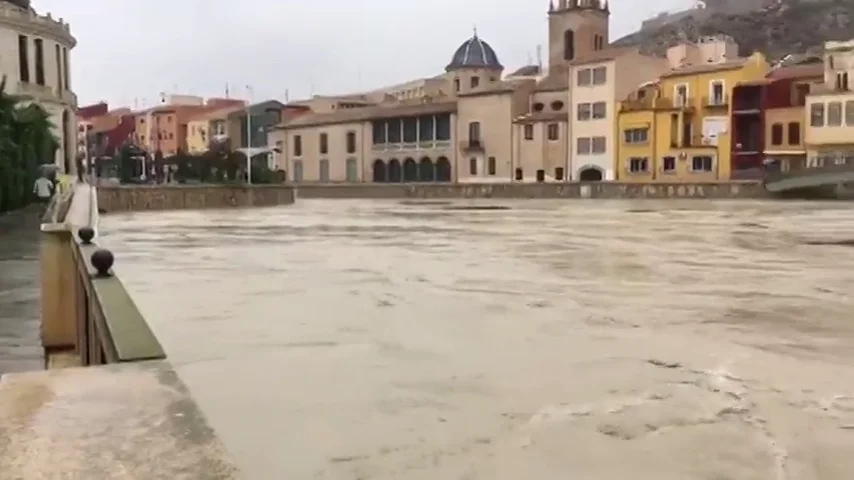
584 111
777 134
794 133
474 133
529 132
559 173
701 163
557 105
475 81
490 166
681 95
553 131
801 92
599 76
473 166
598 42
541 176
600 110
636 135
638 164
171 136
456 84
297 171
66 74
58 54
842 81
538 107
24 58
585 77
834 114
324 170
716 93
582 146
597 145
817 115
297 145
849 113
324 144
351 142
519 175
569 45
668 164
39 61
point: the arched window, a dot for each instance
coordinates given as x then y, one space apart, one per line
569 45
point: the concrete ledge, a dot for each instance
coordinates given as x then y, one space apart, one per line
568 190
130 198
124 421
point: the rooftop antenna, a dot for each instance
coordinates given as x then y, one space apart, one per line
287 96
226 90
540 56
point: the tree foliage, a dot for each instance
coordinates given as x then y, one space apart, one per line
26 142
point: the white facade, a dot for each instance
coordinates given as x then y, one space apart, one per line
46 82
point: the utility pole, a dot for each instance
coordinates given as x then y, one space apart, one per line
249 93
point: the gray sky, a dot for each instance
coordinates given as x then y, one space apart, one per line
134 50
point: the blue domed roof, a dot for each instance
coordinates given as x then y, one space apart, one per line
474 53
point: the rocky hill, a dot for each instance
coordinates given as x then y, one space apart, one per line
792 26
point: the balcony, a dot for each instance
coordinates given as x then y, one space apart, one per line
642 104
35 91
716 101
471 145
422 145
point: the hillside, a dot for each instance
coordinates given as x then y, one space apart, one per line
794 26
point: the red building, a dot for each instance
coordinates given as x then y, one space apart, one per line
767 119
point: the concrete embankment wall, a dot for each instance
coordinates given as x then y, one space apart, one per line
195 197
129 198
612 190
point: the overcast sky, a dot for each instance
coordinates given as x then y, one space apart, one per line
129 51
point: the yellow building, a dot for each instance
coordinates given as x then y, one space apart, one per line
830 109
677 129
207 127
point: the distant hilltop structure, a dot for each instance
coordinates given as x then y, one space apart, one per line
703 9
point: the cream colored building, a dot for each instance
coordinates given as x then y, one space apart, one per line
474 124
829 134
35 61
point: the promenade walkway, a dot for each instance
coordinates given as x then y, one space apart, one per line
20 348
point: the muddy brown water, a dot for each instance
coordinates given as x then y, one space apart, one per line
20 344
586 340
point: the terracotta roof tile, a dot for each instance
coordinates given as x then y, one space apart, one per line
607 53
369 113
557 79
796 71
706 68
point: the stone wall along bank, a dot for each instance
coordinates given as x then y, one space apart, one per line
130 198
602 190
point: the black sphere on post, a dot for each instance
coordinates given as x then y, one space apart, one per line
102 260
86 235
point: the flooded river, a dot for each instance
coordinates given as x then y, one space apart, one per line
554 340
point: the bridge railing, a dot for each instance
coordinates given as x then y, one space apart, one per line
88 317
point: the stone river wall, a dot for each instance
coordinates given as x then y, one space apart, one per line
138 198
129 198
536 190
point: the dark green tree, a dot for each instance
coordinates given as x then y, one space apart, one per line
26 142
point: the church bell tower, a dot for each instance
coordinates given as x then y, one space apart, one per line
576 29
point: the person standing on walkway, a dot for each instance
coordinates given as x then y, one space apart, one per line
43 189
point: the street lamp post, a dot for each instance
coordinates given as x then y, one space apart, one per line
249 135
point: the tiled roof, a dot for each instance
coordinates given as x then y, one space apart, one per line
556 80
215 113
706 68
604 55
370 113
796 71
